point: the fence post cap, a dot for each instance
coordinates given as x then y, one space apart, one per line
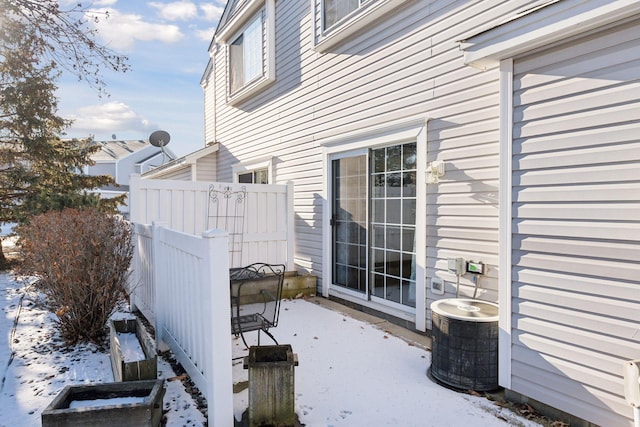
214 232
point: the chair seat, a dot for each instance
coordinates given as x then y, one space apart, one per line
251 322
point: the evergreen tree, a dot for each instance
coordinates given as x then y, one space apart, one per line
39 171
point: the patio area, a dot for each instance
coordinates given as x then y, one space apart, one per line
357 370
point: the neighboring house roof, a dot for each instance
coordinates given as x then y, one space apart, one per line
115 150
182 162
122 158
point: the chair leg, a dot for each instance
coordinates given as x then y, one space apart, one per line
243 340
270 336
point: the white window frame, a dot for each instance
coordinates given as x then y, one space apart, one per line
251 166
397 132
363 16
234 29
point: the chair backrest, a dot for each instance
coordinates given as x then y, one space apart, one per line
259 290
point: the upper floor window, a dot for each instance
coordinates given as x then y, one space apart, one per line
249 36
246 55
336 10
338 20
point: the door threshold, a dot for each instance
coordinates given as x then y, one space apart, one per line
397 317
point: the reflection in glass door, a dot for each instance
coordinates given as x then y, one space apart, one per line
349 220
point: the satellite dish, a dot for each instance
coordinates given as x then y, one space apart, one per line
159 138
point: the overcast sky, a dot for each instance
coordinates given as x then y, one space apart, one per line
166 42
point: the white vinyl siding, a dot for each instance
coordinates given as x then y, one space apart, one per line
178 174
209 104
206 168
408 64
576 223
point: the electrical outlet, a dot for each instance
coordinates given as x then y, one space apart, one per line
455 266
475 267
437 286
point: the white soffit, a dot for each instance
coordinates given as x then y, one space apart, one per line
557 20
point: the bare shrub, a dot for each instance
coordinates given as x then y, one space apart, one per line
82 259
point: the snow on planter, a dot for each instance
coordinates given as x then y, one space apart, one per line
123 404
133 353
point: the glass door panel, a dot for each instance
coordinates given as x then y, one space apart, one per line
393 224
349 220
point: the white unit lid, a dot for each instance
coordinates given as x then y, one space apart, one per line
472 310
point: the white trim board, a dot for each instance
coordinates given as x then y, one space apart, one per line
504 228
543 26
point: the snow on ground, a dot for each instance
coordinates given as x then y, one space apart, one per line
350 373
34 366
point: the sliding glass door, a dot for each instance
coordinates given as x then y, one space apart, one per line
374 223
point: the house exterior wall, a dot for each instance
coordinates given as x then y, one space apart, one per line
138 161
128 165
209 104
206 168
403 65
152 162
178 174
576 230
102 168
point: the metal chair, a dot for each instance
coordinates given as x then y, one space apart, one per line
256 291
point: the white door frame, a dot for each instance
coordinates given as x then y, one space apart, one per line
413 129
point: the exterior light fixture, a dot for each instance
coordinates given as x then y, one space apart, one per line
435 171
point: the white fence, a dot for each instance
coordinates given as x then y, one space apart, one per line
179 278
183 279
267 227
141 286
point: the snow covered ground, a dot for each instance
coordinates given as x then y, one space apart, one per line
350 373
353 374
35 366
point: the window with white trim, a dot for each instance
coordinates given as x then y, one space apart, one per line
249 37
253 172
258 176
340 19
335 11
246 55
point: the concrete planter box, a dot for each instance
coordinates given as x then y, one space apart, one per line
271 385
148 412
144 369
